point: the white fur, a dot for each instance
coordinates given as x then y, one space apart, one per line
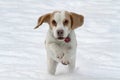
65 51
55 48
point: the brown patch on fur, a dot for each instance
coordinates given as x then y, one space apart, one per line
46 18
77 20
52 18
68 19
42 19
72 20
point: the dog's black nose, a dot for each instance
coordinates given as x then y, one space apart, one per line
60 33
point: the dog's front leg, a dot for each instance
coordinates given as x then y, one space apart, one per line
54 55
69 59
52 64
71 66
57 52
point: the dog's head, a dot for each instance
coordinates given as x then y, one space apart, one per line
61 22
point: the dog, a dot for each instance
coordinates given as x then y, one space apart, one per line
61 41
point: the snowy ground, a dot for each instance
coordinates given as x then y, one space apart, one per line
22 51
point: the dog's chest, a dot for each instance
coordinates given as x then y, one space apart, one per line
64 45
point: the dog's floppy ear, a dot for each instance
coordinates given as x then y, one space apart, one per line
42 19
77 20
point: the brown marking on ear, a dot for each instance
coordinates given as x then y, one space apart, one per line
76 20
42 19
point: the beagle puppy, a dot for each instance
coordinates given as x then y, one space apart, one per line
61 41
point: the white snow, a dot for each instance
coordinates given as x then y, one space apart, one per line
22 50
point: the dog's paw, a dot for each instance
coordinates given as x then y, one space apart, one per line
60 55
65 61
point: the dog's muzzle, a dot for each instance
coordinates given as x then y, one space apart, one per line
60 34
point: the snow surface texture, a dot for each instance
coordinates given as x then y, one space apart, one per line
22 50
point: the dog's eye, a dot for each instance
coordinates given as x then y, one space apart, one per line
66 22
54 23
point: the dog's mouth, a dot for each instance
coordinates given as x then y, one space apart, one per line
60 38
67 39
